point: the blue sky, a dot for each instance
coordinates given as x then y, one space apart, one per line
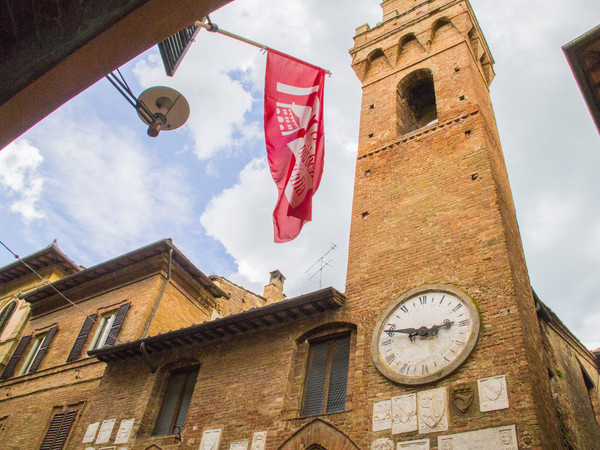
89 176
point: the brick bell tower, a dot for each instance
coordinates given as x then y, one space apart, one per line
433 220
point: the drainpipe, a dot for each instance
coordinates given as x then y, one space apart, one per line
162 292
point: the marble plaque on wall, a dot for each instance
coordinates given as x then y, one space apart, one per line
382 444
124 431
404 413
210 440
499 438
259 440
105 431
492 393
419 444
382 415
90 433
239 445
432 410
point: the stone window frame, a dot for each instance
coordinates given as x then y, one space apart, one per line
294 398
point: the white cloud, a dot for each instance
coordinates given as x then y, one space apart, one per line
19 174
241 219
241 216
105 193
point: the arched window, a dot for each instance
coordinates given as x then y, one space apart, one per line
415 101
6 314
176 401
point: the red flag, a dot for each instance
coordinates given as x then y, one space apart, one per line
294 137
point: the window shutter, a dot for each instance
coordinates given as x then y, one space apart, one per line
58 431
88 323
43 349
6 314
116 326
9 370
316 373
336 401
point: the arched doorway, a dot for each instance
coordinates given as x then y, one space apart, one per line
318 435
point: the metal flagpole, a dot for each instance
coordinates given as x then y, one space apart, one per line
214 28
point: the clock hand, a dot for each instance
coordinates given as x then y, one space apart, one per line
434 329
412 332
402 330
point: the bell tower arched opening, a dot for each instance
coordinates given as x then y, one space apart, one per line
415 101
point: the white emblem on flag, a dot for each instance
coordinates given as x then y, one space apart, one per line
292 118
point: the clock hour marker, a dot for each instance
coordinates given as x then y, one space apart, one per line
463 323
404 309
457 307
390 358
404 369
459 342
442 299
423 299
388 342
446 359
424 369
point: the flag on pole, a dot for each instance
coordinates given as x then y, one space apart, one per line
294 137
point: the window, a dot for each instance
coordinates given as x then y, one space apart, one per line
102 332
36 353
107 331
326 376
6 314
176 401
33 353
58 430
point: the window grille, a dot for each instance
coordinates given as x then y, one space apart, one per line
326 376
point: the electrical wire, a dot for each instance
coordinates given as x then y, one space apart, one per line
53 287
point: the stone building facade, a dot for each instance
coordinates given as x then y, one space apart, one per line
438 342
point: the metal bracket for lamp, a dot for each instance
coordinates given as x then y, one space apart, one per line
159 107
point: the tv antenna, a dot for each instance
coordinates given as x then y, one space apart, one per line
321 265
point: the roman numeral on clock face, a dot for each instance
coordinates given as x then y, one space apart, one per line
463 323
457 307
423 299
390 358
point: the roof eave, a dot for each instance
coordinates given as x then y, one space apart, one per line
314 303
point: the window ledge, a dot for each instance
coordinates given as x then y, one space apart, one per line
321 415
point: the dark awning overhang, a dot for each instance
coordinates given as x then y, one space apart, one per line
296 308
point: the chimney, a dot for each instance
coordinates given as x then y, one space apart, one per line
274 290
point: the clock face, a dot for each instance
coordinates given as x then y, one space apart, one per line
425 334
